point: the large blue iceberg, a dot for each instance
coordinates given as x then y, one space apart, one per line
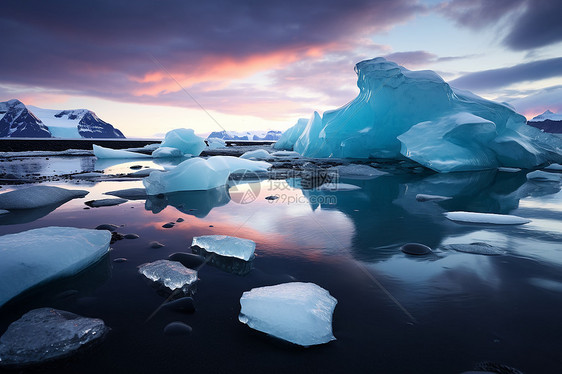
416 114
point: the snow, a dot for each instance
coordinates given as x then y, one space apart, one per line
170 274
258 154
37 196
547 115
417 115
37 256
102 152
496 219
300 313
185 140
288 139
228 246
45 334
167 152
216 143
198 174
62 127
544 176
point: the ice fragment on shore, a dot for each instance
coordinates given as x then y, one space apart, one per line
228 246
300 313
46 334
258 154
102 152
170 274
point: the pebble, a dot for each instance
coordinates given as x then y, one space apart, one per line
415 249
180 220
177 329
189 260
131 236
168 225
156 244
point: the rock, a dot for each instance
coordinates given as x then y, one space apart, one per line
177 329
189 260
105 202
476 248
180 220
107 226
169 225
415 249
46 334
131 236
155 244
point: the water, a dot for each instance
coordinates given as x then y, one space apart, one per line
439 313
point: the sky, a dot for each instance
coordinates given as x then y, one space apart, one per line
148 67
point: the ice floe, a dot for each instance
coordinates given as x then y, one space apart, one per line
297 312
258 154
102 152
496 219
169 274
34 257
37 196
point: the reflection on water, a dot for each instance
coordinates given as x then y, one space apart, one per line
468 307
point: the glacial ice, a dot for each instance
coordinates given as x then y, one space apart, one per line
286 154
216 143
300 313
289 137
228 246
102 152
543 176
198 174
425 197
356 171
554 167
170 274
185 140
496 219
46 334
37 196
37 256
258 154
417 115
162 152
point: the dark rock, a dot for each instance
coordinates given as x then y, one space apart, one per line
155 244
131 236
272 197
136 167
190 260
105 202
415 249
107 226
177 329
115 236
120 259
169 225
180 220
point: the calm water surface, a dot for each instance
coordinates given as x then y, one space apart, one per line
440 313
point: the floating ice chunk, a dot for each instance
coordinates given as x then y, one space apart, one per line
169 274
198 174
216 143
102 152
544 176
37 256
37 196
228 246
509 170
4 211
286 154
554 167
337 187
46 334
142 173
162 152
416 114
356 171
185 140
300 313
496 219
423 197
288 139
258 154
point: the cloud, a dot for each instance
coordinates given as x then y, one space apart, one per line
527 24
412 59
104 49
497 78
536 102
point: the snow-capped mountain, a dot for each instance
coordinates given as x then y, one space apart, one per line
548 115
548 122
247 135
17 120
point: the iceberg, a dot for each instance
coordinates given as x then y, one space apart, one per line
169 274
37 197
102 152
167 152
289 137
228 246
198 174
37 256
185 140
300 313
496 219
46 334
216 143
415 114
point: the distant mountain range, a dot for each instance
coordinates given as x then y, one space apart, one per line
248 135
548 122
18 120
